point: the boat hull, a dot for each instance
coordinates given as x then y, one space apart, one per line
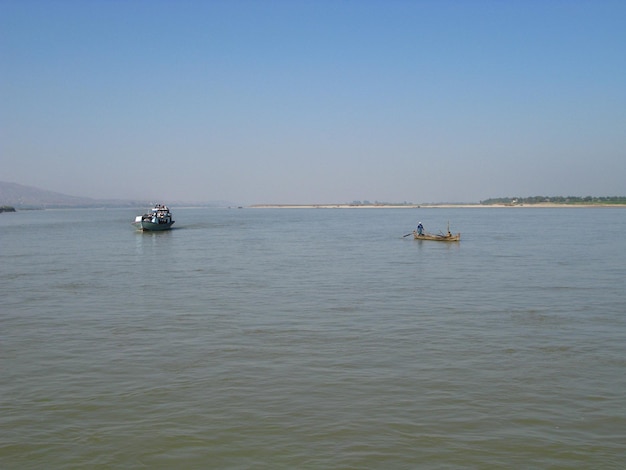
437 238
151 227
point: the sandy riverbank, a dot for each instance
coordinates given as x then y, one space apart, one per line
430 206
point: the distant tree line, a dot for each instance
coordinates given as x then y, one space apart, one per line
7 209
573 200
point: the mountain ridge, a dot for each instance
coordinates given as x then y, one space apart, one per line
30 197
22 196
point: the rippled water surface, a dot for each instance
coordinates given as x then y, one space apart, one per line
313 338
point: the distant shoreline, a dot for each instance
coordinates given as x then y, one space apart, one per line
543 205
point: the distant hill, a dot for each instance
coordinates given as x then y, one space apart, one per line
28 197
20 196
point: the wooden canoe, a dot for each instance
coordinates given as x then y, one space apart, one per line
449 237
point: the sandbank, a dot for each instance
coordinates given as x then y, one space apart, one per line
542 205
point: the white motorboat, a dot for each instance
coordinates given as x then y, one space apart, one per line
159 218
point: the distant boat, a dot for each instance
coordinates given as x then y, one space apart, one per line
158 219
441 237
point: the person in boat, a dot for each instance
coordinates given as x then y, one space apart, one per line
420 229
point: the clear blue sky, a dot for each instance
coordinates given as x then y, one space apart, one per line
314 101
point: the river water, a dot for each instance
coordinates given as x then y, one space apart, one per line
313 339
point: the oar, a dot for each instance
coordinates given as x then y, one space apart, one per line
407 234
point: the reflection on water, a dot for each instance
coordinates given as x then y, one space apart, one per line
147 238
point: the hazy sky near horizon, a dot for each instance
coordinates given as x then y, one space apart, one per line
300 101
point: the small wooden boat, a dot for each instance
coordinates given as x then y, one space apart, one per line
441 237
448 237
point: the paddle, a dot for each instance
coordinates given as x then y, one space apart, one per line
407 234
